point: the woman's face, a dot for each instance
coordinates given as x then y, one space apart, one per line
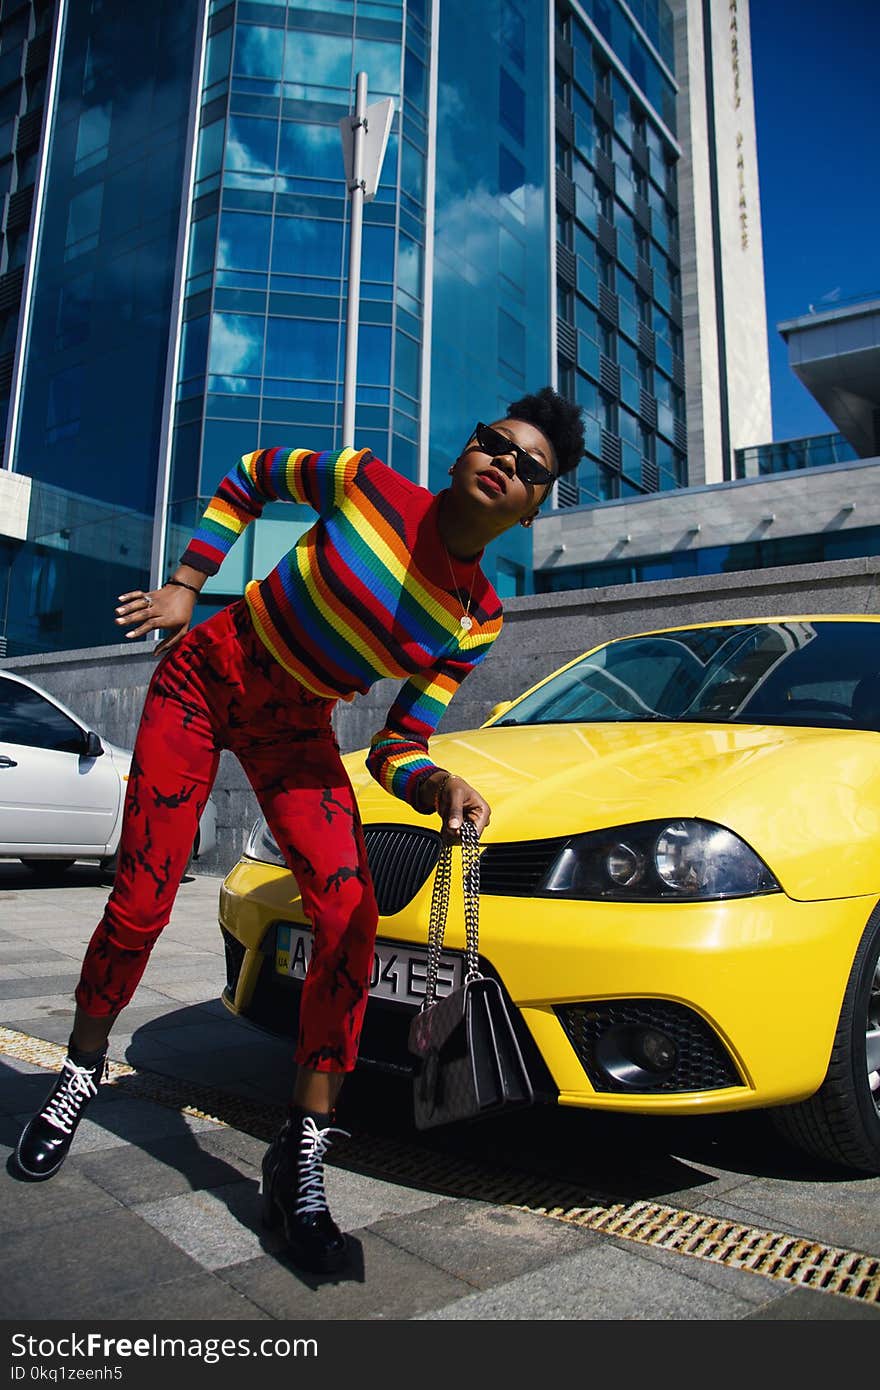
493 482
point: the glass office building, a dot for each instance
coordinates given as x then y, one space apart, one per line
181 263
618 294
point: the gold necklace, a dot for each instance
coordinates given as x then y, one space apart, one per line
465 621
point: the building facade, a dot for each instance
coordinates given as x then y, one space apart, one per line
175 272
792 501
722 265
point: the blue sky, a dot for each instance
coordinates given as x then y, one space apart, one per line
817 111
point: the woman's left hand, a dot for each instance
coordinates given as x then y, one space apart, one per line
458 800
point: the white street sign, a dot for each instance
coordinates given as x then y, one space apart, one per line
378 118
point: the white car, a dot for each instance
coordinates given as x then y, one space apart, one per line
62 786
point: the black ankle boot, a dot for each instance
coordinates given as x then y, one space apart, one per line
293 1193
46 1139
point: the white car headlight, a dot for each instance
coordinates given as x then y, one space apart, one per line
662 860
261 844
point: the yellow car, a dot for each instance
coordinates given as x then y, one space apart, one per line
679 882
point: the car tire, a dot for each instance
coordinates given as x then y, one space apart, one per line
47 869
840 1124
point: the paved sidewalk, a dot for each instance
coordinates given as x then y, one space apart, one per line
155 1214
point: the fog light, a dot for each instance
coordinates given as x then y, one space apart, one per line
636 1058
658 1050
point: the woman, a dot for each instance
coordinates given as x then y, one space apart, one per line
387 582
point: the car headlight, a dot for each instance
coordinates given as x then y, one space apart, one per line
661 860
261 844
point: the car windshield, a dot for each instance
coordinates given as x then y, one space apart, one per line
821 674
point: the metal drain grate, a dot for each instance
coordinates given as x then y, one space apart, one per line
773 1254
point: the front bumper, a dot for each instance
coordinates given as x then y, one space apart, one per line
764 975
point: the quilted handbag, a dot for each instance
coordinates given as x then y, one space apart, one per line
468 1063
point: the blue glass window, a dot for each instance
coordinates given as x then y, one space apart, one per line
511 174
328 55
259 51
406 364
587 394
194 351
210 149
414 80
381 62
217 60
388 175
511 258
409 266
374 355
312 151
585 319
511 342
305 247
185 460
302 348
512 106
225 443
513 34
64 404
92 137
83 221
405 457
251 144
244 241
377 253
236 345
412 170
74 310
587 280
202 237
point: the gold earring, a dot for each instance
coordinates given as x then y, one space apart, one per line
526 521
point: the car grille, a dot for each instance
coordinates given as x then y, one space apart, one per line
401 858
519 869
702 1061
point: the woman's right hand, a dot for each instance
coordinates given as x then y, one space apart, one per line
457 800
169 608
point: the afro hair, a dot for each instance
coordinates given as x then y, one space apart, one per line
559 419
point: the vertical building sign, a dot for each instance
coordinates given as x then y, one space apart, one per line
737 102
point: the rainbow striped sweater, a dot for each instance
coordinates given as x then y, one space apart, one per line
369 591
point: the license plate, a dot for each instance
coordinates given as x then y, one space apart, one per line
399 972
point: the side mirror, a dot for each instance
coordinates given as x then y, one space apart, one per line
498 709
94 747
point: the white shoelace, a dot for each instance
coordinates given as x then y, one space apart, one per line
314 1143
76 1088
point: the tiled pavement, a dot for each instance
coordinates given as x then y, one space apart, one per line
155 1215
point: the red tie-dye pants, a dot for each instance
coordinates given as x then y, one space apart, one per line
220 688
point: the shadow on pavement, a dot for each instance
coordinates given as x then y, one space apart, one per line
172 1144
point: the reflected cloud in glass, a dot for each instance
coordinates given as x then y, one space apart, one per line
259 51
236 345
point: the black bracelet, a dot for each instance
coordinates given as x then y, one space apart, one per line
182 584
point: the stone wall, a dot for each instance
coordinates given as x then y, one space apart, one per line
105 686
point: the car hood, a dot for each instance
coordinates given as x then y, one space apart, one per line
806 800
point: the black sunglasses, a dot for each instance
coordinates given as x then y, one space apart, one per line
528 469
